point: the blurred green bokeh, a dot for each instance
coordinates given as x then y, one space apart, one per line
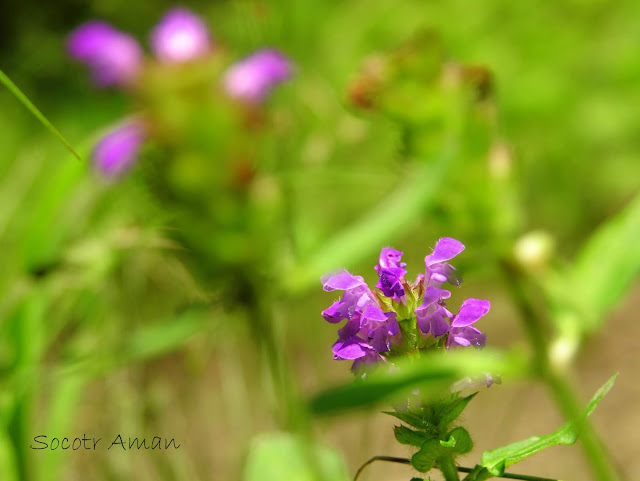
106 328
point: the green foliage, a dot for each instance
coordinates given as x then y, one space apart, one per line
13 88
453 410
278 456
497 460
602 273
432 373
427 456
457 442
405 435
460 440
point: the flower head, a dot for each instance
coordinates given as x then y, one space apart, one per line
118 150
401 317
180 36
113 57
252 78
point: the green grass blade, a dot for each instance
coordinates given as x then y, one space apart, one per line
13 88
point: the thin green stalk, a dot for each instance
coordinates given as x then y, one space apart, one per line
560 384
477 473
13 88
448 468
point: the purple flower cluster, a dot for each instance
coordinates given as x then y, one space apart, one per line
115 58
374 319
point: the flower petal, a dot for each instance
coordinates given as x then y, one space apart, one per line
341 280
470 311
446 248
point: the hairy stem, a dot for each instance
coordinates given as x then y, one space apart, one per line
559 383
448 468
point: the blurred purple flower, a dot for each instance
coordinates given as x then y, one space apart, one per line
391 272
180 36
462 332
438 270
252 78
118 150
113 57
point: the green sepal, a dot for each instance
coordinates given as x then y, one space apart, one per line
454 410
426 458
405 435
497 460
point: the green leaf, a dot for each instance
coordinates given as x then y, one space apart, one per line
462 440
405 435
497 460
433 373
603 272
454 410
413 419
13 88
425 459
280 456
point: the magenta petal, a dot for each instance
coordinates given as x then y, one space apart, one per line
352 348
433 294
341 280
334 313
446 248
470 311
373 313
390 258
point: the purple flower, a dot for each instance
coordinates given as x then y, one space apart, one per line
252 78
180 36
113 57
437 269
368 330
462 332
432 315
117 151
391 272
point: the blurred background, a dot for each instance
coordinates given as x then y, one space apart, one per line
115 316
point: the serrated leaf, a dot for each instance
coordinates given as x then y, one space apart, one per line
424 459
412 419
463 443
405 435
454 410
497 460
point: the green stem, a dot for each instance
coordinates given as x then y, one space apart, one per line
560 384
478 473
448 468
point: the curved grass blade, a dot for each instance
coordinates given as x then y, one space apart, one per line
13 88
